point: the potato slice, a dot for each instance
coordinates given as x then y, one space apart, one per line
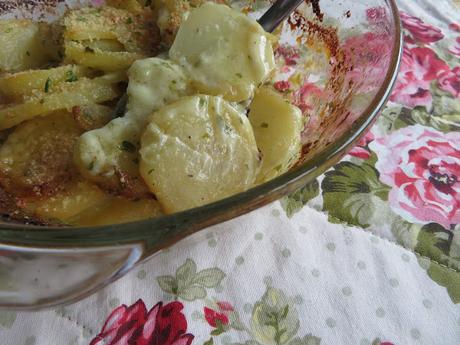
23 83
118 210
104 45
277 127
25 44
102 60
36 159
224 51
76 198
92 116
198 150
137 32
61 96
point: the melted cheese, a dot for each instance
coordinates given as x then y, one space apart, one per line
153 83
225 52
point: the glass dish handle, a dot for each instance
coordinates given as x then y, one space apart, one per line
32 278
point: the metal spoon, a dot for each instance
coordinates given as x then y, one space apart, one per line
278 12
269 21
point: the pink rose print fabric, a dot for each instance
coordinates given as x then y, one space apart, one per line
423 175
419 67
419 31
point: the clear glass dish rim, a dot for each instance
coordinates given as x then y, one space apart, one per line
50 236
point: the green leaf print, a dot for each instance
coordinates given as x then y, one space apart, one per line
295 201
405 233
449 279
440 244
188 284
444 118
185 273
350 192
7 319
395 117
209 278
307 340
209 342
274 319
168 284
192 293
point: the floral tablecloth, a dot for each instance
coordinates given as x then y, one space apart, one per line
369 253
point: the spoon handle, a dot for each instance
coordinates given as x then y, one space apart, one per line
277 12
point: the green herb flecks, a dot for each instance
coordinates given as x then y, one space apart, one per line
128 146
48 85
70 76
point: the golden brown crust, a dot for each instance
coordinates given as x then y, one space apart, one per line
136 31
36 159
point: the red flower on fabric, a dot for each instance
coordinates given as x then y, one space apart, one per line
376 14
282 85
455 48
361 150
370 55
304 97
454 27
423 168
419 66
213 317
450 82
133 325
419 30
290 54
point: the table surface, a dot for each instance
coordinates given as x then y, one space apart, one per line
369 253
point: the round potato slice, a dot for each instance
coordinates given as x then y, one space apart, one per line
277 127
118 210
224 51
37 159
198 150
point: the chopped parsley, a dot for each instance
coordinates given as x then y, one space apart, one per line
129 20
264 125
151 171
47 85
27 53
239 75
70 76
128 146
8 30
91 165
202 102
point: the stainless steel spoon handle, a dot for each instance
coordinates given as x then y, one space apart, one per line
278 12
